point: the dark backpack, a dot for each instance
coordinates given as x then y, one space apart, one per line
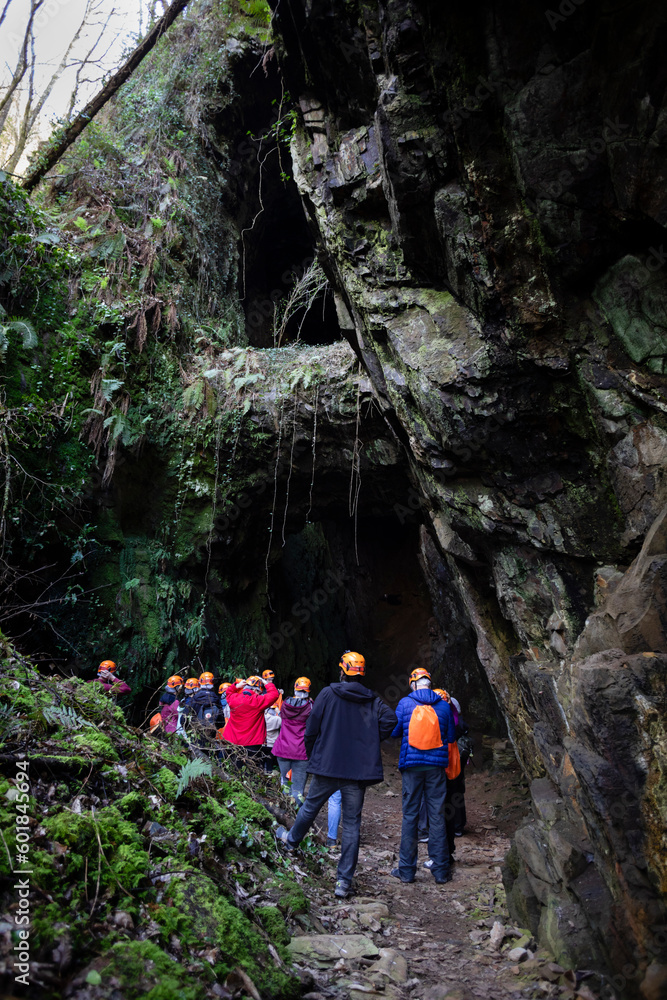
466 747
208 715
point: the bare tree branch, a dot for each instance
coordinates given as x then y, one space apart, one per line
31 112
22 64
74 129
89 61
4 11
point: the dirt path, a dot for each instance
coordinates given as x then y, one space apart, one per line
441 931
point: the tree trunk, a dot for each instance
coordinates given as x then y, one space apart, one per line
60 143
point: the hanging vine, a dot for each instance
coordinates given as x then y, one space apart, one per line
291 466
273 505
355 471
312 475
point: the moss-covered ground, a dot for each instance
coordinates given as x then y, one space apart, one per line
135 890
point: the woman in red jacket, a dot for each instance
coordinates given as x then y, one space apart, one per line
246 726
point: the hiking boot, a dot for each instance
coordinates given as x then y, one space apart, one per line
447 877
331 841
396 873
422 838
281 836
343 889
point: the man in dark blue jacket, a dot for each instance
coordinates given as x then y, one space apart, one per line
426 727
343 736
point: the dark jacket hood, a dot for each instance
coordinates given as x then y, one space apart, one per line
352 691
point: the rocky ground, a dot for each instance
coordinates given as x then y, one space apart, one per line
395 941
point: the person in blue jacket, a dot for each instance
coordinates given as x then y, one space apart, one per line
426 727
342 739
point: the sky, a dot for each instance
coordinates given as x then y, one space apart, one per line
55 25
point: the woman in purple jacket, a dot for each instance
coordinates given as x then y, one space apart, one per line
290 748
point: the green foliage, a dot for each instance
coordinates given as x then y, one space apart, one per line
21 327
100 844
193 769
273 923
96 743
143 970
65 717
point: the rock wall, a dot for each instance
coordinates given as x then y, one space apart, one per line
486 186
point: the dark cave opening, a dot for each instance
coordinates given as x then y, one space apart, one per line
376 597
278 250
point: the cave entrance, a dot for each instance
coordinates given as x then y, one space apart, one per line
280 268
376 596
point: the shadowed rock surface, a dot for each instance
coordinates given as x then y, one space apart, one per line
488 189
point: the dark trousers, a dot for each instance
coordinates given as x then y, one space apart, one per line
432 784
455 806
450 816
352 796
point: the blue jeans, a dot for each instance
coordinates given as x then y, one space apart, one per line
299 769
352 797
333 817
432 783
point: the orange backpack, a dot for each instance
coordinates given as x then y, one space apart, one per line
453 769
424 729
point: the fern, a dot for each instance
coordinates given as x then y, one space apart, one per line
108 387
65 717
26 330
193 769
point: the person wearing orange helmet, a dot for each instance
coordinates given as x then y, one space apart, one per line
426 728
170 702
222 692
205 707
190 687
290 747
268 675
342 739
107 677
246 726
455 806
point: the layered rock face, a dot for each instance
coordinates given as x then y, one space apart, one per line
487 189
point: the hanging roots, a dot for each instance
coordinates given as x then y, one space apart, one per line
306 290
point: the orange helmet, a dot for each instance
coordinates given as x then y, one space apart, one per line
302 684
156 720
255 682
419 674
174 681
239 680
268 675
191 684
206 678
443 694
223 687
107 665
352 663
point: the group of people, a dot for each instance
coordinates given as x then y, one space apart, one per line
249 716
336 739
343 734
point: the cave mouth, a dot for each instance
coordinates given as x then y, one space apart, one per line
280 269
371 590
